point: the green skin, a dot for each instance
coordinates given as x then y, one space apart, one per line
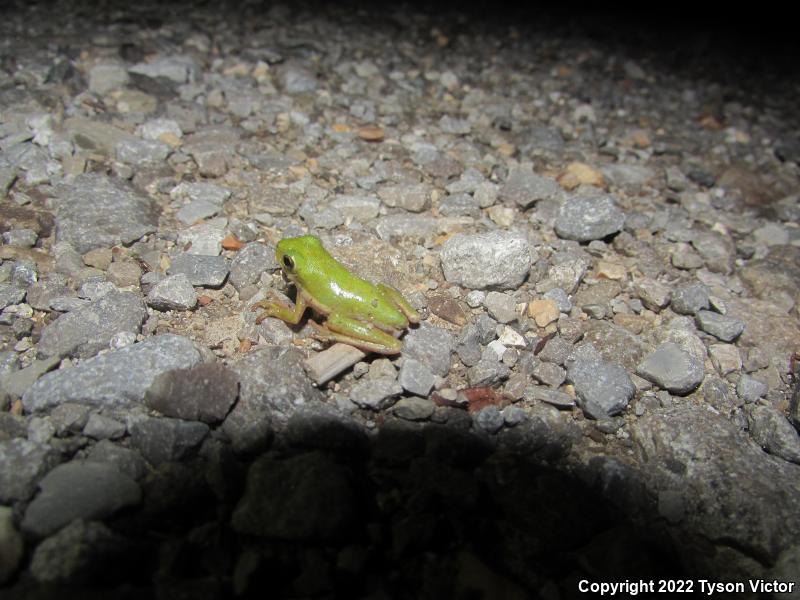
367 316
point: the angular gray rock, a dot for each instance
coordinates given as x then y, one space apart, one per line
77 554
430 345
118 378
22 464
204 393
672 369
497 259
722 327
252 260
96 211
415 377
603 388
162 440
78 490
587 219
273 386
205 271
689 299
525 188
773 432
87 330
720 475
174 292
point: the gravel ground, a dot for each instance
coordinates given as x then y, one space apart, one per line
599 226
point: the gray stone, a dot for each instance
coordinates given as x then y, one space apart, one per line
690 299
513 415
301 498
725 358
163 440
357 208
717 251
89 329
78 490
684 257
501 307
430 345
96 211
197 210
100 427
749 389
722 327
22 464
205 271
142 153
176 68
653 294
10 294
297 80
459 205
468 347
773 432
550 396
205 392
418 227
672 369
376 394
415 377
603 388
566 275
174 292
549 374
587 219
489 419
497 259
79 553
11 545
323 427
127 461
487 371
203 239
454 126
710 462
561 299
252 260
117 378
24 238
556 350
413 409
524 188
413 197
273 386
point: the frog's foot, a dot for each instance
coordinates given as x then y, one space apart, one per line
280 310
356 333
396 298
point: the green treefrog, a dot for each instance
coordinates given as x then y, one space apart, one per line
359 313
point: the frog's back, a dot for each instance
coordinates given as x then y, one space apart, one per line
330 287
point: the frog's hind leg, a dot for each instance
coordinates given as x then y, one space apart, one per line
396 298
357 333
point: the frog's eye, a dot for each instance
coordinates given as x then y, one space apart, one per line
288 262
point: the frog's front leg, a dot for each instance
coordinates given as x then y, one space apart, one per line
284 312
396 298
357 333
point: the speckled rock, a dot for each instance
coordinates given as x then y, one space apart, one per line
78 490
106 380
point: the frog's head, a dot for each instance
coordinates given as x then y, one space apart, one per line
298 255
